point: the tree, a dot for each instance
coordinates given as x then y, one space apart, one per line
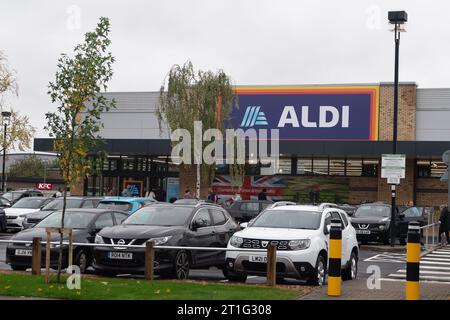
30 166
20 132
191 96
76 123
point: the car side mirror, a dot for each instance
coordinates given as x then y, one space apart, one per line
195 226
244 225
327 229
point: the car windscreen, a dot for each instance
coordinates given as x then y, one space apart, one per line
28 203
8 196
160 216
57 204
289 219
72 219
373 211
115 205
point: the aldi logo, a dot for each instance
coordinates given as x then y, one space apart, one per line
253 117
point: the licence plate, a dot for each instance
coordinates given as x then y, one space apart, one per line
120 255
23 252
260 259
363 231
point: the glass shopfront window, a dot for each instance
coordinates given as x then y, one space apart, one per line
337 167
320 166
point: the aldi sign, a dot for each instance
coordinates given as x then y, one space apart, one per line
309 113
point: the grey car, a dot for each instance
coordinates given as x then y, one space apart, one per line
245 210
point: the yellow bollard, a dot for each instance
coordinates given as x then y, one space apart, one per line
413 262
334 259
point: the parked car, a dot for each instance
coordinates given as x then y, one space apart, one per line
194 225
372 222
5 203
2 220
85 224
16 214
16 195
349 209
57 204
245 210
124 203
301 234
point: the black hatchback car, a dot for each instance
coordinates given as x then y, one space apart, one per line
85 224
246 210
186 225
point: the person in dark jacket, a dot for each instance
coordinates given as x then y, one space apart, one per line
445 223
262 195
212 196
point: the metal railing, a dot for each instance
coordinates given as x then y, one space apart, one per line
149 249
430 235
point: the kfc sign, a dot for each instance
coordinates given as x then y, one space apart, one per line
44 186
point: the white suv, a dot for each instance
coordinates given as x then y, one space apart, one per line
301 234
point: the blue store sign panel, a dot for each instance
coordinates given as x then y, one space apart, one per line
310 113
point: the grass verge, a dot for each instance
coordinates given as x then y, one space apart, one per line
94 288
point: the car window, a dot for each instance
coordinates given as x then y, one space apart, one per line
264 205
412 212
115 205
105 220
88 204
336 215
344 219
250 206
120 217
327 219
202 218
218 217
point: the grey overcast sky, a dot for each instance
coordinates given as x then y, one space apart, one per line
254 41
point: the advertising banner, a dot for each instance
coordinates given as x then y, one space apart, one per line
135 187
309 113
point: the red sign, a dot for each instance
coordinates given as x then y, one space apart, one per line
44 186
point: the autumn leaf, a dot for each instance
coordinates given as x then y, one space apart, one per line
7 287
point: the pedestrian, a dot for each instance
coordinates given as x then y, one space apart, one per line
187 194
212 196
126 192
150 194
262 195
445 225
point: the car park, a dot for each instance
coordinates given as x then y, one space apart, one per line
301 234
16 214
86 223
57 204
124 203
245 210
186 225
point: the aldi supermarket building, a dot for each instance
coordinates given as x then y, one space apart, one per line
331 141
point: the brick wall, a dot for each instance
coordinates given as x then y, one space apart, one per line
431 192
362 189
406 112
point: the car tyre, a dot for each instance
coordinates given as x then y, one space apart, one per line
82 261
181 265
233 276
18 268
351 271
318 278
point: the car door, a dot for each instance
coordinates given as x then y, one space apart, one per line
223 232
407 216
335 215
346 237
203 235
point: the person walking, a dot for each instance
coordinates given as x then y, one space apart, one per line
126 192
150 194
187 194
262 195
212 196
445 224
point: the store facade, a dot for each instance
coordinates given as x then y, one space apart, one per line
331 139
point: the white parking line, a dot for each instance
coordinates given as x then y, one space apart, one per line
421 277
424 281
441 253
434 259
432 267
447 273
435 262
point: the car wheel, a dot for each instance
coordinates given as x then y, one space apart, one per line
18 268
82 261
181 265
352 270
233 276
320 272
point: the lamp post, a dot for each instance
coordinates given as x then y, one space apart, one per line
6 116
397 18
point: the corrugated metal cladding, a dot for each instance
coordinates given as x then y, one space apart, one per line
133 118
433 115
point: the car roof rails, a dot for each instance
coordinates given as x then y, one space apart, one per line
326 205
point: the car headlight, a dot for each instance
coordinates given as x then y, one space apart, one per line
236 241
160 241
299 244
99 239
382 227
